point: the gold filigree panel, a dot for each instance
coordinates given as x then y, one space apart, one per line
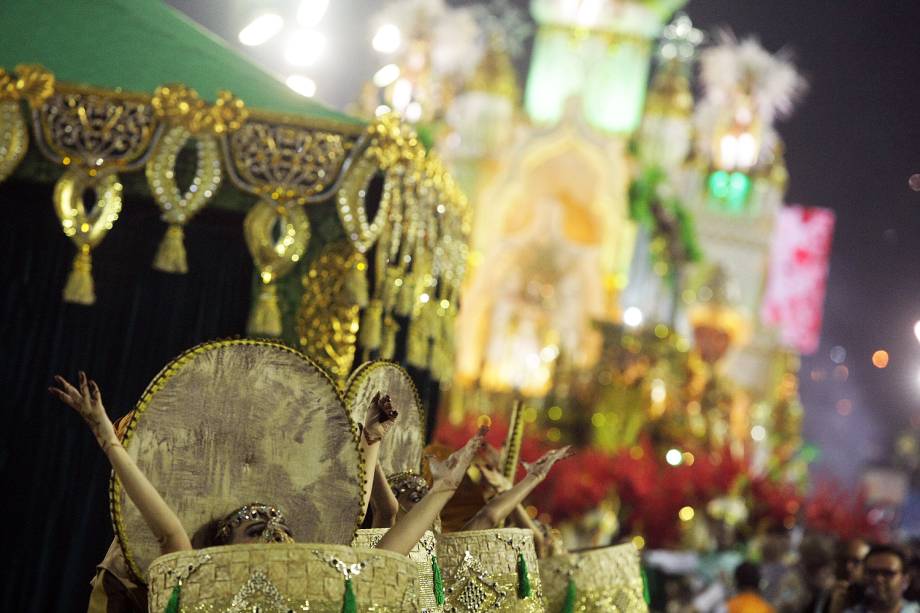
96 130
284 160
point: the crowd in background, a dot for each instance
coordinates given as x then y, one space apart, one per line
812 574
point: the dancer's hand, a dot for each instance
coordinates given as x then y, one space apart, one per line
87 401
541 467
496 480
380 418
448 474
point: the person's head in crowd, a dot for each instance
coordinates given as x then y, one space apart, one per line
776 544
913 571
816 555
850 557
747 577
885 577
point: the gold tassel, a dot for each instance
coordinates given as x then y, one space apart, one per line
356 281
441 366
170 255
265 317
390 289
79 288
406 299
388 344
417 343
370 325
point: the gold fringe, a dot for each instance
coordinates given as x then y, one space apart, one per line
390 289
417 343
356 281
79 288
371 323
265 317
170 255
406 299
388 344
441 364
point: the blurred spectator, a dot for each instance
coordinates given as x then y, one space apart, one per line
747 586
886 580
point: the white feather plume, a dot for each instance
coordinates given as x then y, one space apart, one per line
772 80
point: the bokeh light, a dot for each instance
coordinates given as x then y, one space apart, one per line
844 406
880 358
674 457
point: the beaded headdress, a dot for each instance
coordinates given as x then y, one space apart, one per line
276 529
408 483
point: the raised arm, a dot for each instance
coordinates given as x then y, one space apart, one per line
162 521
447 475
496 510
383 501
501 484
380 418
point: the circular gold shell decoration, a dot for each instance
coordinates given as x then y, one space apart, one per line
231 422
401 449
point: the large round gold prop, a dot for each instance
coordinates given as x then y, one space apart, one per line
178 207
284 578
232 422
608 579
401 449
85 228
277 234
14 137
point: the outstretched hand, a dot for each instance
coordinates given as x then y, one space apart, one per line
449 473
541 467
86 400
380 418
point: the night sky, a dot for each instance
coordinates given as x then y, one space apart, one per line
851 145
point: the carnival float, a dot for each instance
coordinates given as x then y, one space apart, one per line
600 257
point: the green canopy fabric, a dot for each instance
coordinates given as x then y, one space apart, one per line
138 45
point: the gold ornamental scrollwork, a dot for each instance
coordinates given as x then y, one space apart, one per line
289 166
94 130
285 161
94 134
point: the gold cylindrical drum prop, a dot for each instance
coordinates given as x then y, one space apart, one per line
286 577
606 580
490 570
424 554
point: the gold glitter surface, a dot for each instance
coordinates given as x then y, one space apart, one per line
421 554
480 571
607 579
281 578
